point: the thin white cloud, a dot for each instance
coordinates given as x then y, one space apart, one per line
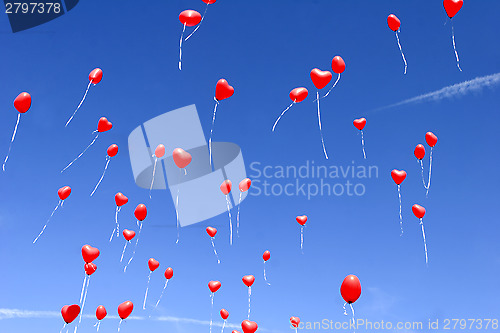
455 90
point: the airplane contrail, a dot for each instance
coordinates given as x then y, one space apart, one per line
458 89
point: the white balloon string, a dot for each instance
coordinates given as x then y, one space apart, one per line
401 50
84 299
12 140
265 277
103 173
430 170
345 312
64 326
198 23
425 243
223 325
230 221
353 320
238 218
180 47
211 131
83 152
400 214
211 311
177 214
363 145
98 325
302 239
249 295
282 113
329 91
45 226
153 180
161 295
422 168
83 287
215 251
120 324
319 123
454 46
78 107
146 295
117 227
135 248
124 248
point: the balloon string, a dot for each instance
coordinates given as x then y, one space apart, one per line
425 243
302 239
103 173
117 227
281 115
319 122
198 23
400 214
120 324
45 226
64 326
249 295
161 295
83 288
265 277
230 222
329 91
78 107
211 311
401 50
430 170
177 214
454 46
215 251
124 248
352 309
363 145
422 168
153 180
345 312
84 299
83 152
180 47
135 248
238 217
98 325
212 130
12 140
223 325
146 295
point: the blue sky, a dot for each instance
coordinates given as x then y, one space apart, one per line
264 50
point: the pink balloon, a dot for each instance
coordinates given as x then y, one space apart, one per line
160 151
181 158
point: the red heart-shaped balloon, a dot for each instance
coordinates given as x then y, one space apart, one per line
301 219
431 139
320 78
226 186
153 264
245 184
452 7
419 151
104 125
266 255
214 286
120 199
235 331
418 211
125 309
70 312
297 95
190 17
22 103
169 272
209 2
350 289
64 192
90 268
112 150
89 253
249 326
160 151
100 312
223 90
95 76
181 158
211 231
398 176
393 22
141 212
224 314
128 234
338 65
248 280
295 321
359 123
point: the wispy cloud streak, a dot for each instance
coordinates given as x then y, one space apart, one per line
459 89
